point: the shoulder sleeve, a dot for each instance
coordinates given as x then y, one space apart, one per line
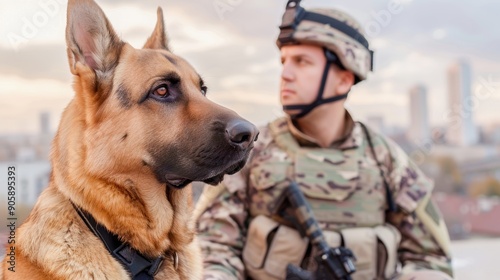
425 240
409 183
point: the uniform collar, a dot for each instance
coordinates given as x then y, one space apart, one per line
349 139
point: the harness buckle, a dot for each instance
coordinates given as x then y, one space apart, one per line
155 266
125 254
175 257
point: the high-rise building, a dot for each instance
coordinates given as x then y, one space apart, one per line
419 131
461 130
45 123
376 122
42 148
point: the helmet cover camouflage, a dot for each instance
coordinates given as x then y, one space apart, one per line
343 36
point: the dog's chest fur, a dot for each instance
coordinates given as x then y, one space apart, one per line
55 236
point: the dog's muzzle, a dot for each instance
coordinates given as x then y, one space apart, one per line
208 157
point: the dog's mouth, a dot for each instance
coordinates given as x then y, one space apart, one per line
178 182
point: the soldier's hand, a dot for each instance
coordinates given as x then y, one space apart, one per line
296 273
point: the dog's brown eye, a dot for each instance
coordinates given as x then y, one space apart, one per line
164 92
161 91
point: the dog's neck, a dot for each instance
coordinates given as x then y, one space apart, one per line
143 212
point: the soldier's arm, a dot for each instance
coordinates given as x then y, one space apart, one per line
425 241
222 228
424 245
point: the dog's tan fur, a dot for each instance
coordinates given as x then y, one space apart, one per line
103 155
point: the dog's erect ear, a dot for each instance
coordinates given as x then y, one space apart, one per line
158 39
90 38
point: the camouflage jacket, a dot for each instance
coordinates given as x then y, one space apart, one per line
348 176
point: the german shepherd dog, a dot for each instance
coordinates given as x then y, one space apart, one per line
137 133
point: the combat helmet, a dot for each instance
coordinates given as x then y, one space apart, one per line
339 34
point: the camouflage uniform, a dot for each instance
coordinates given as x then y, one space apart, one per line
342 183
346 191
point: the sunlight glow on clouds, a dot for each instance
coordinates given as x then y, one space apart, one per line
238 58
23 100
439 34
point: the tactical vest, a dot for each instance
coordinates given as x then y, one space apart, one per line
346 194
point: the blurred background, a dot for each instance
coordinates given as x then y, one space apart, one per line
435 90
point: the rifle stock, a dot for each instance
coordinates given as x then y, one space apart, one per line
333 263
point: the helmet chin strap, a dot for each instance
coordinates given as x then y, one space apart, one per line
331 58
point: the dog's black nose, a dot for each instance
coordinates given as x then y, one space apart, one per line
241 133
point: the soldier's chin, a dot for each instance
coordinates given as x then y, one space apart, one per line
292 113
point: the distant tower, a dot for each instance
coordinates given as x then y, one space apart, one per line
419 130
45 123
461 130
376 122
45 137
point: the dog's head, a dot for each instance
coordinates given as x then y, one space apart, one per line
146 109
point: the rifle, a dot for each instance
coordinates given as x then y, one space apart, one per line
333 263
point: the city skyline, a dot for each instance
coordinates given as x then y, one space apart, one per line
419 118
238 58
462 130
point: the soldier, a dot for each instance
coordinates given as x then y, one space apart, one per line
364 191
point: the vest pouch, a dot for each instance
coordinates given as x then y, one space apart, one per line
388 238
363 243
375 250
270 247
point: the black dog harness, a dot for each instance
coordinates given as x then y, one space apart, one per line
139 266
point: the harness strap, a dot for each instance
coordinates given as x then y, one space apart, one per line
139 266
390 200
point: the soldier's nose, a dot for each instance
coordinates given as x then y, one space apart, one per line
241 133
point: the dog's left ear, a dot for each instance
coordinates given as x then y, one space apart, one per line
90 38
158 39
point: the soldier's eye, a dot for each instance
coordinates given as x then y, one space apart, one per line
301 61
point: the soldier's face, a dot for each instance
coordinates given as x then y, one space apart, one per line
303 67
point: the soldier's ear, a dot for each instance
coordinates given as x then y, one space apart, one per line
344 80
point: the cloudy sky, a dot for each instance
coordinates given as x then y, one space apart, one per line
232 44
